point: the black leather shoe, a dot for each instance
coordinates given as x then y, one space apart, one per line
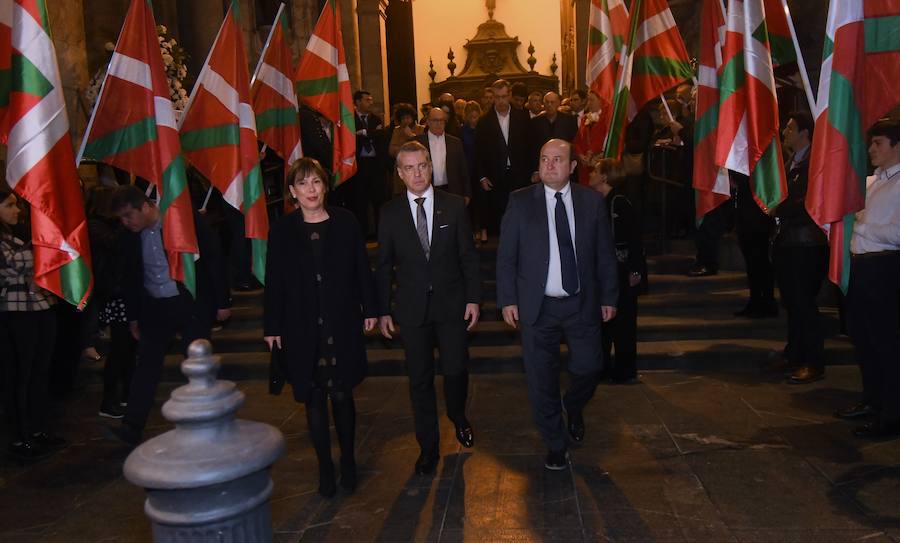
557 460
701 271
465 436
327 488
855 412
878 431
348 475
426 464
576 427
48 442
25 451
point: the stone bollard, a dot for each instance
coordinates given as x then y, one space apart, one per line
208 479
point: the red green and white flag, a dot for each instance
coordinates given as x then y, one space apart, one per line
857 86
323 83
218 133
748 136
608 29
5 55
40 162
274 98
780 42
653 60
133 128
710 181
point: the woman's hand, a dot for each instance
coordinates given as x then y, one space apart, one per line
271 341
369 324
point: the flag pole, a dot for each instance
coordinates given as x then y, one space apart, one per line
801 64
262 54
665 103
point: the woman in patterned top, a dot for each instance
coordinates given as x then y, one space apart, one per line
27 334
319 298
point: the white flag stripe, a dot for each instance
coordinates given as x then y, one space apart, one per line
247 117
165 114
34 44
757 57
739 155
278 82
234 195
722 186
131 70
322 49
342 73
654 26
296 153
707 77
34 135
222 90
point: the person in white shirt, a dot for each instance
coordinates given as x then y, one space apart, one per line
873 296
448 158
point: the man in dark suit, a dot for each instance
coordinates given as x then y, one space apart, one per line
158 307
501 147
550 124
425 238
556 275
448 159
369 180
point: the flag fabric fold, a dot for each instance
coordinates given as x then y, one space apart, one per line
323 83
40 162
710 181
748 138
607 32
857 85
133 128
218 133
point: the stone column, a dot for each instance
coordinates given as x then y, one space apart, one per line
67 27
582 23
198 24
350 31
371 51
568 81
166 13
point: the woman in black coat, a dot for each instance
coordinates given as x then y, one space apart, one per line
319 298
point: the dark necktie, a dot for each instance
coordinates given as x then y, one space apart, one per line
422 226
567 264
367 142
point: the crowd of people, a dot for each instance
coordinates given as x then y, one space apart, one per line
570 266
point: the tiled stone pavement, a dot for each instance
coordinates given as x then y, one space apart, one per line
683 457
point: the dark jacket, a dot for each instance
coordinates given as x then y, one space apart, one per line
372 125
795 227
524 253
626 231
349 296
212 289
457 171
492 151
104 235
541 130
315 140
451 274
749 217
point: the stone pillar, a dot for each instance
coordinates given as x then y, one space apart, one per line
371 51
582 23
166 13
105 18
303 19
198 24
568 81
350 31
253 42
67 27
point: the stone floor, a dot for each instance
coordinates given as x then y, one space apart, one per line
722 456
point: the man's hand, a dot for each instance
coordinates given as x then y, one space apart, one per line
369 324
135 331
223 315
608 312
486 185
386 323
634 279
472 313
511 315
272 341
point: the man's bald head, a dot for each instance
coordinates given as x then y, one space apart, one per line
437 121
551 103
556 164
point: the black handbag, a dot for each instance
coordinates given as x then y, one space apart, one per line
277 373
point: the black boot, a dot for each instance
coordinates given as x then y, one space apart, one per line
317 421
345 423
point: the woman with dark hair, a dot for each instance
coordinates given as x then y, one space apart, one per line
405 130
27 335
319 298
608 177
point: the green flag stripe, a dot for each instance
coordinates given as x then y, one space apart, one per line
28 80
846 118
706 123
882 34
259 248
174 181
732 77
275 117
661 67
828 48
204 138
122 140
42 9
765 178
617 125
783 51
849 221
74 279
597 37
252 187
190 273
315 87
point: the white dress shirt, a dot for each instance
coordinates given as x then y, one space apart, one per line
554 286
437 146
429 208
504 128
877 226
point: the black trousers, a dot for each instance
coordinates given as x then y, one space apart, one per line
800 272
452 343
560 318
760 275
119 367
238 248
26 347
710 232
354 193
621 333
161 319
873 320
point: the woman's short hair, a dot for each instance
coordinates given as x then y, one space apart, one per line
612 169
305 167
471 106
404 109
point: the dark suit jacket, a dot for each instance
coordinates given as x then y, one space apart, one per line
372 125
524 253
541 130
457 171
316 143
451 274
348 295
491 151
212 289
795 226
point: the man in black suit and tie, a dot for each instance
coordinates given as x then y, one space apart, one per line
556 275
550 124
501 149
355 192
425 237
448 159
